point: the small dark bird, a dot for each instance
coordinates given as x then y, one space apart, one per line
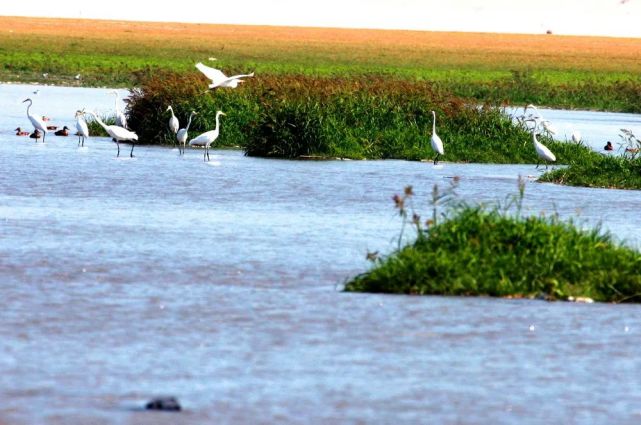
63 132
608 147
36 134
20 132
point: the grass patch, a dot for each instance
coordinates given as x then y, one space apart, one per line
373 117
493 252
596 170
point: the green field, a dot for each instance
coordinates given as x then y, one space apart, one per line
570 72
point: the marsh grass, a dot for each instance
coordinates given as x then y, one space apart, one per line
371 117
495 251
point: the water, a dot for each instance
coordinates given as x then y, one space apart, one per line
124 279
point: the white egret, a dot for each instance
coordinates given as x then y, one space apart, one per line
538 119
37 122
437 143
117 133
121 119
218 79
81 126
207 138
576 136
181 136
542 151
77 77
173 121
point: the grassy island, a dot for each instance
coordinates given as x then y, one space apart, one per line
479 251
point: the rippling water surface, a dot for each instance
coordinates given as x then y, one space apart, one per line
123 279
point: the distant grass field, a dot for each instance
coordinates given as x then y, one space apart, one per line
582 72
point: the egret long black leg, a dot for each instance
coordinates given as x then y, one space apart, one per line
131 154
436 158
118 145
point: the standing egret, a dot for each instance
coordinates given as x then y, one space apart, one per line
207 138
181 136
218 79
121 119
576 136
542 151
538 119
173 121
117 133
81 126
437 143
37 122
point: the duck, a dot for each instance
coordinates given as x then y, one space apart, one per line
608 146
52 127
20 132
63 132
36 134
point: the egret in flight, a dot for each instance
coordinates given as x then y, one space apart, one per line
81 126
121 119
173 121
38 123
207 138
181 136
218 79
117 133
437 143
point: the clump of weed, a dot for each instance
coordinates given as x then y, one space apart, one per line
476 250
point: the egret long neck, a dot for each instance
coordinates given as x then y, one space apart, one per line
188 123
433 122
29 107
97 118
217 122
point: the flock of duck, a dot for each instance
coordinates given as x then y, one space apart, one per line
120 132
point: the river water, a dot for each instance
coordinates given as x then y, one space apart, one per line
219 283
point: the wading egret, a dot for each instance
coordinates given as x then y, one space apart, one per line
218 79
437 143
207 138
81 126
576 136
539 120
36 121
181 136
117 133
542 151
121 119
173 121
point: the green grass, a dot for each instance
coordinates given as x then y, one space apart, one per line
614 172
370 117
567 72
493 252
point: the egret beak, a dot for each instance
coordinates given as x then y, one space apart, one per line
26 100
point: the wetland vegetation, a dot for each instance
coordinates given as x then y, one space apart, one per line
600 73
496 251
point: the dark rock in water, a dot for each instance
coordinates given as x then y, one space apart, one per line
169 404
